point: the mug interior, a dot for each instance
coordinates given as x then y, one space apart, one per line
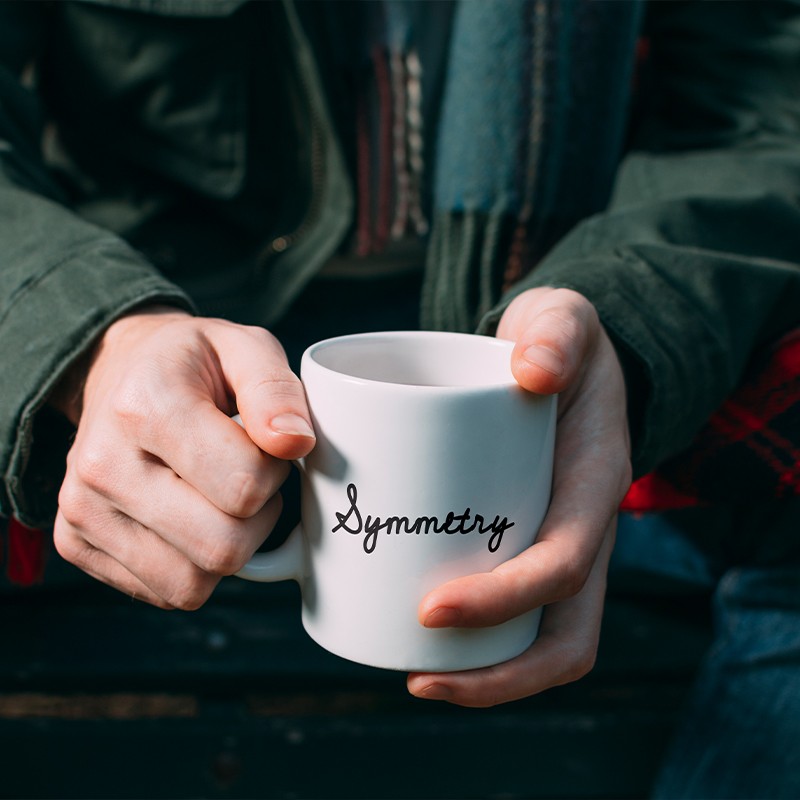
419 358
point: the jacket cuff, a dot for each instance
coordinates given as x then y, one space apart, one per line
661 420
50 322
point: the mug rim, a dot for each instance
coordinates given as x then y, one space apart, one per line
310 362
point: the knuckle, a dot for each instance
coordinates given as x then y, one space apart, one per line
560 324
93 466
189 594
582 662
131 403
73 503
224 558
67 544
244 494
574 574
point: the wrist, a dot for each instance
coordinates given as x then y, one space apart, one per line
636 385
67 395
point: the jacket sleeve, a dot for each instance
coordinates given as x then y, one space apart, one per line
696 261
62 282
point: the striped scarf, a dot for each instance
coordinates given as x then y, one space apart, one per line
533 125
513 112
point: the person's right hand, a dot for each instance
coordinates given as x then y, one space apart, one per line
164 493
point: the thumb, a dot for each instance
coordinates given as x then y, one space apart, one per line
270 397
554 329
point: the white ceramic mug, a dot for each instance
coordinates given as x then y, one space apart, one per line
431 463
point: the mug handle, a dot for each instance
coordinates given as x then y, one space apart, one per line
285 563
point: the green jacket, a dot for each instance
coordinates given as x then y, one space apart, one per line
152 177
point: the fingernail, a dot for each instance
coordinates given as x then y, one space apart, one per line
545 358
292 424
436 691
443 618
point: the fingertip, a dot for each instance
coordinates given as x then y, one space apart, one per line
538 368
555 334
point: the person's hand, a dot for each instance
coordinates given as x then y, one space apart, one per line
560 347
164 493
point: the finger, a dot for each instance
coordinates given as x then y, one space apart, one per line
157 564
564 651
269 396
210 452
172 511
559 563
168 574
217 543
554 330
72 547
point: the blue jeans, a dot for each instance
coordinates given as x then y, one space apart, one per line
739 735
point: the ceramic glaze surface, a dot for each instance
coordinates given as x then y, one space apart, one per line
430 464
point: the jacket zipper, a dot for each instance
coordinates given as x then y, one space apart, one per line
283 242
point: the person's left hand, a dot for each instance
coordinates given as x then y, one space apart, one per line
560 347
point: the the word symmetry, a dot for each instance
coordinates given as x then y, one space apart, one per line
352 522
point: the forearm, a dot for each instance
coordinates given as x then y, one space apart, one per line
688 279
695 262
63 283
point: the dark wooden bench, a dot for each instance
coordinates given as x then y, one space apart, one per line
104 697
